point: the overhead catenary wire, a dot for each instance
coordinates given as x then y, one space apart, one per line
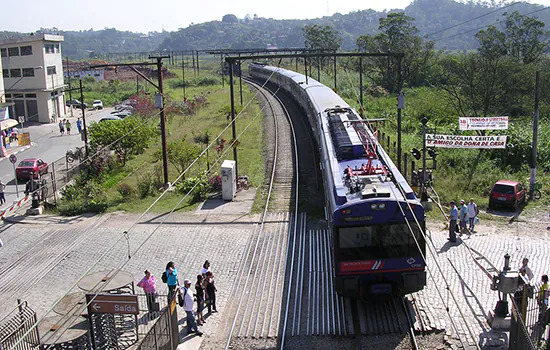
125 234
434 255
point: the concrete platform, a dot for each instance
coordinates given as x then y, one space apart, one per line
240 205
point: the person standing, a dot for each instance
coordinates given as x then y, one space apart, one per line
211 292
150 289
205 268
79 125
188 307
463 216
172 280
61 127
199 289
453 216
68 126
473 211
525 271
542 297
2 194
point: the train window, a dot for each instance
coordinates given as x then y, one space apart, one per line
355 237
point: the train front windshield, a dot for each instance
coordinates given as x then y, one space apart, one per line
378 242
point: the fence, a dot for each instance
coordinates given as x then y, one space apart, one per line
528 328
14 326
162 333
61 172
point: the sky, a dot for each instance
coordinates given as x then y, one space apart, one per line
145 16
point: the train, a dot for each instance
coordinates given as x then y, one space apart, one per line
370 208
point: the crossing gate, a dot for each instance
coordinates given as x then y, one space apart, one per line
14 326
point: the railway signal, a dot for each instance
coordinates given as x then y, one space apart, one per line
432 152
416 153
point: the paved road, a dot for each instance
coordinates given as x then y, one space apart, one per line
48 144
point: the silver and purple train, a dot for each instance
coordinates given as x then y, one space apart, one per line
372 211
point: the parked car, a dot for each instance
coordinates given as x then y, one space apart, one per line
97 104
507 193
110 118
75 103
31 167
123 114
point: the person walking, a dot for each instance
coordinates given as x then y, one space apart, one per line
2 194
79 125
172 280
463 217
61 127
473 211
188 307
211 292
453 216
199 292
150 289
68 126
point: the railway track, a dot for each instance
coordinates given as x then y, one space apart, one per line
257 294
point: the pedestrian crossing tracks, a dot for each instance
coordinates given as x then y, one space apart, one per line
286 279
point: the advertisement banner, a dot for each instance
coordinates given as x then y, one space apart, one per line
458 141
488 123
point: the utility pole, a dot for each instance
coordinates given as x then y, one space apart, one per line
162 119
70 94
533 177
233 127
83 118
361 86
401 105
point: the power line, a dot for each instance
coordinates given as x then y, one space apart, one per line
473 19
488 25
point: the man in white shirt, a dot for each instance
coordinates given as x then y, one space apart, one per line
473 210
525 271
188 307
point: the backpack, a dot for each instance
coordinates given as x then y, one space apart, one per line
164 277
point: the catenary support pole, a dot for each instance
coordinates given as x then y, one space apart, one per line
69 80
233 127
399 107
361 86
533 177
162 122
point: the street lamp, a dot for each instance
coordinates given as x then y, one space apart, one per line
17 81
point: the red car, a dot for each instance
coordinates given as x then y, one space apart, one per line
507 193
36 166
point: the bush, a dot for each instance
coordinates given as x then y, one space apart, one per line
215 183
82 197
146 186
198 187
125 190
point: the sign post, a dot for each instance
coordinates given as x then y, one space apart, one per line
22 121
112 304
13 160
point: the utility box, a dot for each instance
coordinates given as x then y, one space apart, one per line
229 180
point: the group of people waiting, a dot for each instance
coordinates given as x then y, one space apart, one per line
204 295
9 135
466 216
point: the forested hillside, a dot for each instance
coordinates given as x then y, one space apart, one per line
442 21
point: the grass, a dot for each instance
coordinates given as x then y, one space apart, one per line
211 118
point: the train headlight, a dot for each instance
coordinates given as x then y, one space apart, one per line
378 206
345 211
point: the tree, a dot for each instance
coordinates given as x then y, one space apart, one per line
526 38
126 137
181 153
318 37
398 34
230 19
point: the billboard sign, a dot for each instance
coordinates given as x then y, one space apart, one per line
487 123
459 141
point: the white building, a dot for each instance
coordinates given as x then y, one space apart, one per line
33 77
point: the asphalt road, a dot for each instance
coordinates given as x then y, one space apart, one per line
47 144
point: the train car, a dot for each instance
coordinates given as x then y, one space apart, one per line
377 223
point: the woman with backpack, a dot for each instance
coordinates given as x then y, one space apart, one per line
171 280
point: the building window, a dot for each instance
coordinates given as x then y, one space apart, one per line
13 51
51 70
56 46
18 95
50 48
30 95
28 72
15 73
5 73
4 52
26 50
8 95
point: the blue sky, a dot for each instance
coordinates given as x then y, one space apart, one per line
145 16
